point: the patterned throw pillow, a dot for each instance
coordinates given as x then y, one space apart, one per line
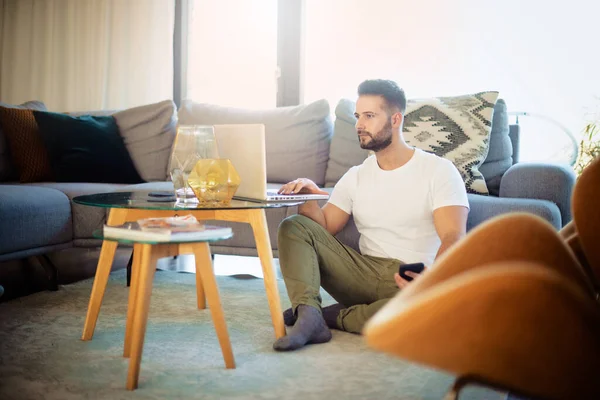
456 128
27 149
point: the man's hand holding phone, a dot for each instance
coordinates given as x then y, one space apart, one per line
407 272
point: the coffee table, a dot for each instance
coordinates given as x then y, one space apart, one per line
134 205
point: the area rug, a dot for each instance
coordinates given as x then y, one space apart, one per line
42 356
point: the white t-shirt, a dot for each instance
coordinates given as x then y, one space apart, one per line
393 210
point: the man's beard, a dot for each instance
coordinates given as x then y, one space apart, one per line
379 141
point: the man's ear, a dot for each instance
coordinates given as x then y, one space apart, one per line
397 119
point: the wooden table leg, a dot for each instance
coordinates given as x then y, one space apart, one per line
133 292
150 254
204 268
116 216
200 295
258 221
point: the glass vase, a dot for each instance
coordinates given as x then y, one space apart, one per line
192 143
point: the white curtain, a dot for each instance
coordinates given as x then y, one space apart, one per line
86 54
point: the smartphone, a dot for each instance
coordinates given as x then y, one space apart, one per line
161 193
161 199
414 267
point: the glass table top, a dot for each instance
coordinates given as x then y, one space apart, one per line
142 200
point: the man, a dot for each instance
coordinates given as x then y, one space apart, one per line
408 205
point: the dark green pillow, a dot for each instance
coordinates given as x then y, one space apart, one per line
85 149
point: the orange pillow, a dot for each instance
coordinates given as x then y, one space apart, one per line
27 149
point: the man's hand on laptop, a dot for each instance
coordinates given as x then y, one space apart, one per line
301 185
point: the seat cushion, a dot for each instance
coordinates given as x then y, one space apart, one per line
33 217
85 219
486 207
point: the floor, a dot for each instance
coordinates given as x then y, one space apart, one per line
224 265
42 356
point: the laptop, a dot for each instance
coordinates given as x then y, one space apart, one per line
244 145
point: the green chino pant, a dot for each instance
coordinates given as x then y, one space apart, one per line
311 258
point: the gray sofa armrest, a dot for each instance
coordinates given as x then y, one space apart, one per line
485 207
550 182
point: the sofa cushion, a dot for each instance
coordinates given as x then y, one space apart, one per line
148 133
463 138
33 217
85 149
483 208
500 154
297 138
345 151
456 128
27 149
7 169
85 219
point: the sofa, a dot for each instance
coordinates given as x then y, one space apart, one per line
40 220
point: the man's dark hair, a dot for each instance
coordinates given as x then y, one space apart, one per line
393 94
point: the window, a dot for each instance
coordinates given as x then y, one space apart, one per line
233 53
541 56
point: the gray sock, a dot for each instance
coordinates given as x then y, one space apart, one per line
289 319
309 328
330 314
